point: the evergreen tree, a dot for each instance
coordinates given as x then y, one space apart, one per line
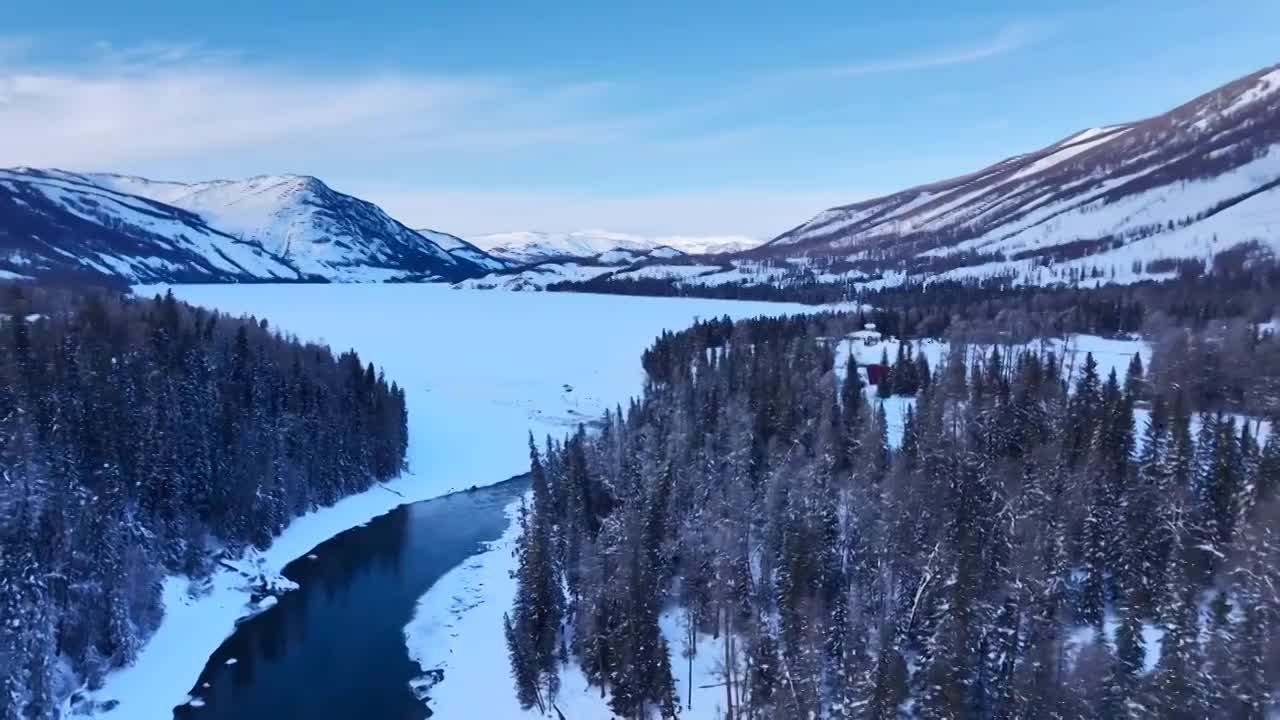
922 372
1267 480
756 494
1135 378
852 413
1083 412
533 631
136 435
884 388
1147 551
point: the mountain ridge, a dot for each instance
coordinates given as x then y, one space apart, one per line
1232 128
1118 203
531 246
324 232
268 228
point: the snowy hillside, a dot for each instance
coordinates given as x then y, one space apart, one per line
660 262
1115 204
462 249
1105 202
533 246
322 232
270 228
61 225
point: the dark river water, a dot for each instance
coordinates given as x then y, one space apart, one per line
335 648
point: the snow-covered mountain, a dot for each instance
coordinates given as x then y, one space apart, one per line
321 232
1111 200
611 263
61 225
1115 204
460 248
532 246
269 228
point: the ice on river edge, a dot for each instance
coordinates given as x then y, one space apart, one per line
460 605
456 637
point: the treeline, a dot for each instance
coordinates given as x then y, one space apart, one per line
1243 282
1027 550
790 286
982 313
1226 365
137 439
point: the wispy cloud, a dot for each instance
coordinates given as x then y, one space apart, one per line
139 105
1006 40
151 55
416 141
175 102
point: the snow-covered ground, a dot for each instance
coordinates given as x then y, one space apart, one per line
458 623
458 628
480 371
1109 353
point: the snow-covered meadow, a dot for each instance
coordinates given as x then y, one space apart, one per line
481 370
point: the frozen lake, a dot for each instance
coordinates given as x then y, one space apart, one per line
481 369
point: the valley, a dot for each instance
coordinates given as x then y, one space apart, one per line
527 369
640 363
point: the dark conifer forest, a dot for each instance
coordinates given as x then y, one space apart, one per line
144 438
1046 541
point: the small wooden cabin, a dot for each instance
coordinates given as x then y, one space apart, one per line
877 373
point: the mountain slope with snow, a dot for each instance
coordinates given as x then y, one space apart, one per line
322 232
460 248
526 247
61 225
117 228
1187 184
660 262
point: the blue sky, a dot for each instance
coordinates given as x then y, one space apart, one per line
666 117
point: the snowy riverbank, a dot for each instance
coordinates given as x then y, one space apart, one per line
480 369
198 617
457 628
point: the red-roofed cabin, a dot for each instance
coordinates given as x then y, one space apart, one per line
877 373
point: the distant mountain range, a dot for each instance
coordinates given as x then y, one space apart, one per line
562 267
271 228
1120 203
524 247
1115 204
